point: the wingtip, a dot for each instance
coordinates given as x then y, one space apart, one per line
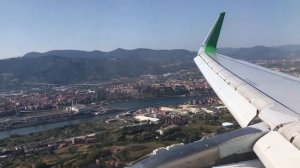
210 43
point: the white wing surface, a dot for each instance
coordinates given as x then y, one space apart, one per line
249 90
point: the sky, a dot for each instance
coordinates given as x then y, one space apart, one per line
43 25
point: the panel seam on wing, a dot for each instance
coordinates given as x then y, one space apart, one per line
261 101
240 85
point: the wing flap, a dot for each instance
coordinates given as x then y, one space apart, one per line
275 151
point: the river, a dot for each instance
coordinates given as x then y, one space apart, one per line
131 104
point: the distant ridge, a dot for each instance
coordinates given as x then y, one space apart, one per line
75 66
66 53
263 52
250 53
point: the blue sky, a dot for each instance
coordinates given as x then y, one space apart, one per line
42 25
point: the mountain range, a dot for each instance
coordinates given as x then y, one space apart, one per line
75 66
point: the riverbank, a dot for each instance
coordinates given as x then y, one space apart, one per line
125 105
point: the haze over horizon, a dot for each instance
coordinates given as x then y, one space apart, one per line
106 25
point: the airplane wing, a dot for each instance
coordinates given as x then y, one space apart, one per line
250 91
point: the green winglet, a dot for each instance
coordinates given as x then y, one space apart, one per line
210 44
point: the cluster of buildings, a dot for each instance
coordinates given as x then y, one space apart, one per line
45 117
169 117
50 97
31 149
211 100
41 100
169 84
49 103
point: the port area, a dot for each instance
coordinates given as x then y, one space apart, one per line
52 116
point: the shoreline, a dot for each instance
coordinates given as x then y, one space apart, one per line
126 105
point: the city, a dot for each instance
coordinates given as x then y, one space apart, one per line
200 108
147 128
